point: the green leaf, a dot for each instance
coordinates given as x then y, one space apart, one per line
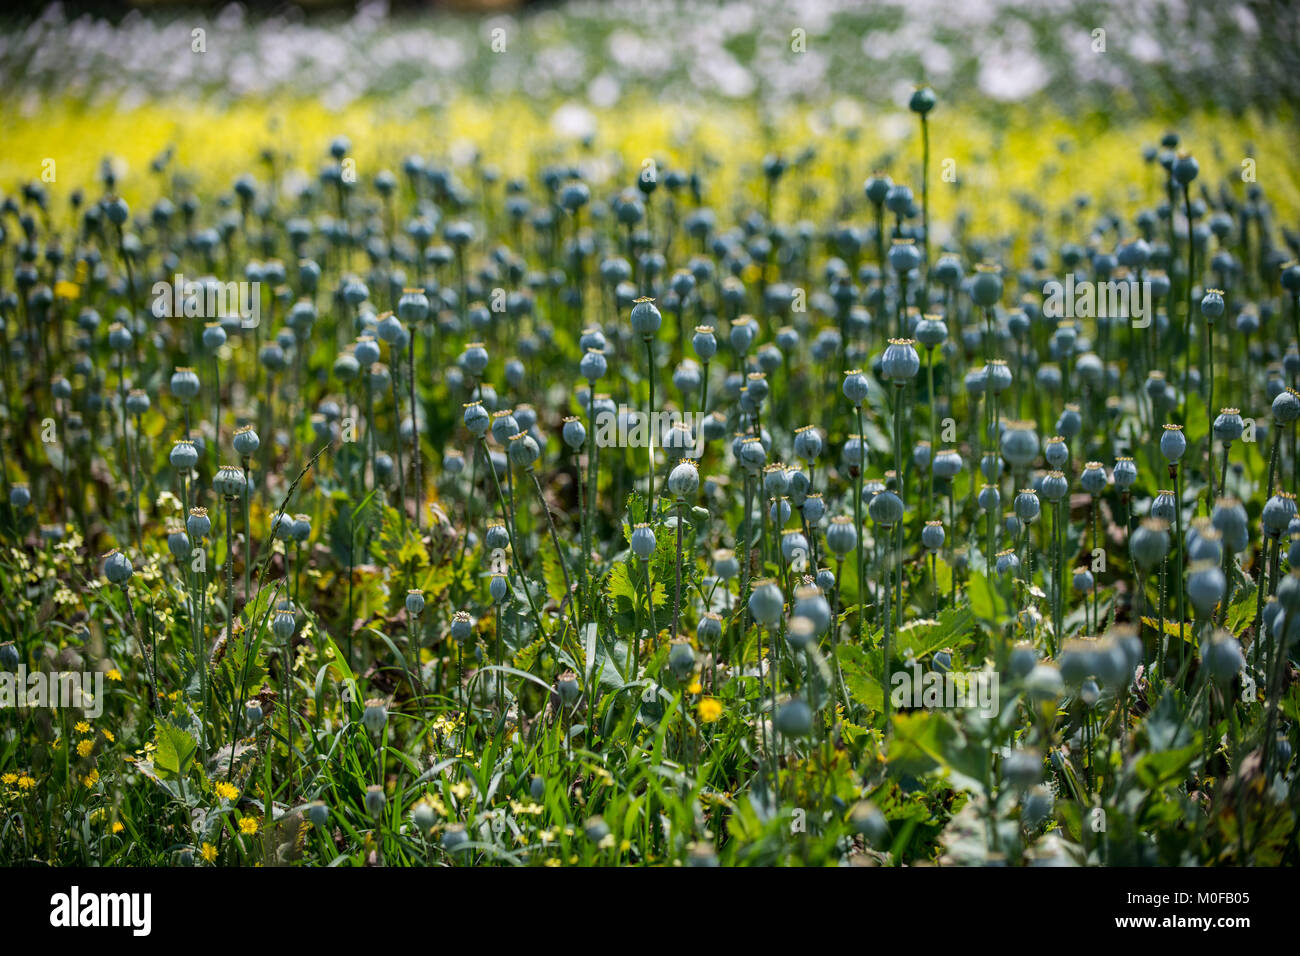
175 750
1241 612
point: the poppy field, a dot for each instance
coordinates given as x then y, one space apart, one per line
650 436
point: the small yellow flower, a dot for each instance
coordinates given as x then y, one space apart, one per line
91 779
81 727
85 747
696 688
26 783
710 709
114 674
108 735
248 826
209 853
226 791
117 826
9 779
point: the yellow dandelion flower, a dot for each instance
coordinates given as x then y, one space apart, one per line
108 735
81 727
226 791
209 853
696 688
117 826
9 779
710 709
248 826
91 779
85 748
26 783
114 674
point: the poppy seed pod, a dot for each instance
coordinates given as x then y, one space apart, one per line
462 627
1054 486
1026 505
375 800
813 508
1007 562
932 535
415 602
876 188
229 481
808 443
704 342
947 464
1019 443
643 541
855 387
1057 452
684 479
477 419
1222 657
1173 443
886 509
284 623
1278 513
753 455
282 527
178 543
1149 543
1124 474
1286 406
245 441
1093 478
1229 519
117 567
646 318
1228 426
922 100
1163 506
455 838
524 451
900 362
794 546
413 306
198 524
681 660
989 498
474 359
794 719
20 496
137 401
986 286
184 456
574 433
1082 580
766 603
1184 168
841 536
1205 587
709 628
904 256
505 426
